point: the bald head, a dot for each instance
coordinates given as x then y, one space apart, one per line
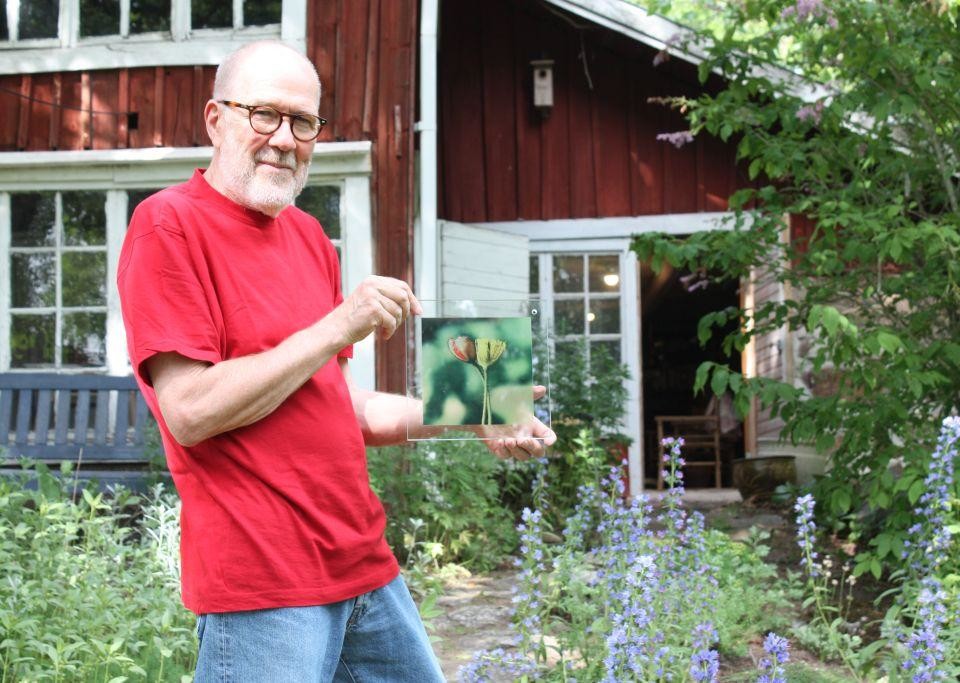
255 59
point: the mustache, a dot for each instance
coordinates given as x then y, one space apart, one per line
272 156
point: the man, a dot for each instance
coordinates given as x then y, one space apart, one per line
239 337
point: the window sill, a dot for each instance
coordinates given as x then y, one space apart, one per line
204 47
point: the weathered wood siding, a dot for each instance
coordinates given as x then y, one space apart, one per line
365 53
596 154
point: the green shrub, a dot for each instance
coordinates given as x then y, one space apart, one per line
451 493
90 589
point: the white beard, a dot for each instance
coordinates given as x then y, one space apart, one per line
266 192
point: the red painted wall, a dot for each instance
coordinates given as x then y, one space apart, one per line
596 154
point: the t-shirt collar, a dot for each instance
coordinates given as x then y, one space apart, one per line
250 216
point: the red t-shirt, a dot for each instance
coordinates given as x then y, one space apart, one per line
278 513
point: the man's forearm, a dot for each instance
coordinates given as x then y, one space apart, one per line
201 400
383 417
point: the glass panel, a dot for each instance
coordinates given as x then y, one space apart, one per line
33 280
84 278
605 273
39 18
568 273
84 218
84 339
4 31
323 203
31 340
534 274
261 12
603 354
149 15
604 316
99 17
33 215
134 197
568 317
211 14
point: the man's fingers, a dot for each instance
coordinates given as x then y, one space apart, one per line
539 391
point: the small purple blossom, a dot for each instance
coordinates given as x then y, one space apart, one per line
777 649
810 113
705 666
809 9
925 651
678 138
806 531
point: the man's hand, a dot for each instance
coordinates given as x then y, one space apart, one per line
379 302
529 446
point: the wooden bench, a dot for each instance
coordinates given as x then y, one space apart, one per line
94 421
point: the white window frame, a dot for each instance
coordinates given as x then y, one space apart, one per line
181 46
346 164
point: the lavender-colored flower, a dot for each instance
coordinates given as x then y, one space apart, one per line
925 651
810 113
705 666
777 649
678 138
932 534
806 531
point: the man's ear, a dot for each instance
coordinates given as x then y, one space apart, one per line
212 118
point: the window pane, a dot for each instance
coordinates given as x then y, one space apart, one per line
4 31
31 340
604 316
534 274
84 278
149 15
84 218
39 18
99 17
211 14
134 197
604 354
568 317
261 12
323 203
605 273
33 280
33 215
84 339
568 273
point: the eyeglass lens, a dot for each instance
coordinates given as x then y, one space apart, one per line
265 121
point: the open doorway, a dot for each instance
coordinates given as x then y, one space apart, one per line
672 303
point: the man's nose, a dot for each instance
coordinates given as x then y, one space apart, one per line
282 137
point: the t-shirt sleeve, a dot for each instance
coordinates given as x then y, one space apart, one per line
164 300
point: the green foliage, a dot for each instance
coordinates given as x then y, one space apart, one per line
858 133
447 499
91 587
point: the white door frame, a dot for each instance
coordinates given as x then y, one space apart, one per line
615 235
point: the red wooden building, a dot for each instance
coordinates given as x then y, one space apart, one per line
437 166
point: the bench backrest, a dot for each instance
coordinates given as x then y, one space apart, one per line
52 417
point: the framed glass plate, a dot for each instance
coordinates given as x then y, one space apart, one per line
473 365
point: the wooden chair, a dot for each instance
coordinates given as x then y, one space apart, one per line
701 434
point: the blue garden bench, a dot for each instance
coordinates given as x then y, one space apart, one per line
97 422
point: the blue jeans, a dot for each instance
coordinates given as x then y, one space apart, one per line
377 636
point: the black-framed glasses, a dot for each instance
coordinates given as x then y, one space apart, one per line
266 120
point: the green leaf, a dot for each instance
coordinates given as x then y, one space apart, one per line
700 380
916 490
875 568
889 342
718 383
840 501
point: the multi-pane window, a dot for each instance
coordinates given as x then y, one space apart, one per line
58 279
59 311
71 19
584 296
